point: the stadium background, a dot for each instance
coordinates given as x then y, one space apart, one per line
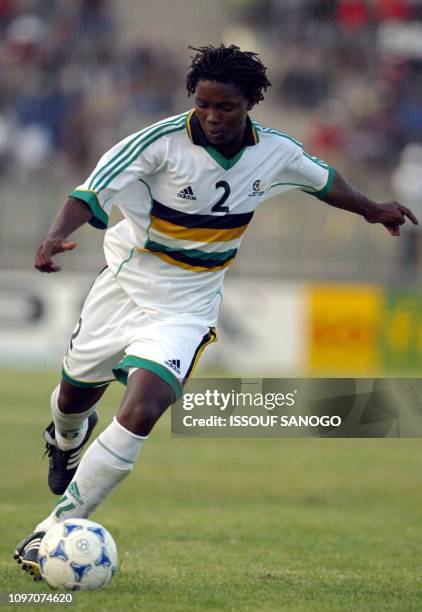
314 291
339 295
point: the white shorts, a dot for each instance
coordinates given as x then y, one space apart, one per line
114 335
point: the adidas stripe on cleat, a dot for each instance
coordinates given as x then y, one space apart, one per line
63 464
26 554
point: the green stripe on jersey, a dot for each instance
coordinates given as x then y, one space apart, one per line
220 257
277 133
125 261
100 218
141 149
307 188
138 135
326 190
139 139
316 160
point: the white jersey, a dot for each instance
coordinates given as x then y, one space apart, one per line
186 207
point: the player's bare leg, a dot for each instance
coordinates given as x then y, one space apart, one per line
73 400
147 397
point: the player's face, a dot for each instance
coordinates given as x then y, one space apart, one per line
222 111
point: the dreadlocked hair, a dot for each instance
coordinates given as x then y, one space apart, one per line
243 69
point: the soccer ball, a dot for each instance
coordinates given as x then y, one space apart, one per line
77 554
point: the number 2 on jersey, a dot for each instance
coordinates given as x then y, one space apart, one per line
219 207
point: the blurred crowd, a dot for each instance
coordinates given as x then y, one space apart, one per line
355 68
355 65
68 79
69 85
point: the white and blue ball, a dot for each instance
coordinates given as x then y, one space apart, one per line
77 554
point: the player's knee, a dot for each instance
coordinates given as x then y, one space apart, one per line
140 415
73 399
147 410
66 403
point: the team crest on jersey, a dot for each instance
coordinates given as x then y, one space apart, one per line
258 188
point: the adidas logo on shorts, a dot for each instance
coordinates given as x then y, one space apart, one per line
174 364
187 194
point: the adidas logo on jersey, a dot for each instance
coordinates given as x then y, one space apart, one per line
174 364
187 194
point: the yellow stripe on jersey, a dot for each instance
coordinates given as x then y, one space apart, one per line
188 127
196 234
175 262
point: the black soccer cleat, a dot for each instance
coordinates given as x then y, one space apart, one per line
63 464
26 554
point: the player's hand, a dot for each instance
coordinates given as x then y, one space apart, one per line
391 215
49 247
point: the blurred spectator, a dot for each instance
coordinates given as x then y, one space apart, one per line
305 82
416 9
407 185
409 111
95 18
393 10
353 14
324 11
7 11
328 135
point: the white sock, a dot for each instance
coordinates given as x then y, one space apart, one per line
70 429
47 523
106 463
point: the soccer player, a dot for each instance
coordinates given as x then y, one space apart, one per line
187 187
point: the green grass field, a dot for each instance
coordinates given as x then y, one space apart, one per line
233 524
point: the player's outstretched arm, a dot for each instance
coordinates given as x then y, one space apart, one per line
72 215
391 214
